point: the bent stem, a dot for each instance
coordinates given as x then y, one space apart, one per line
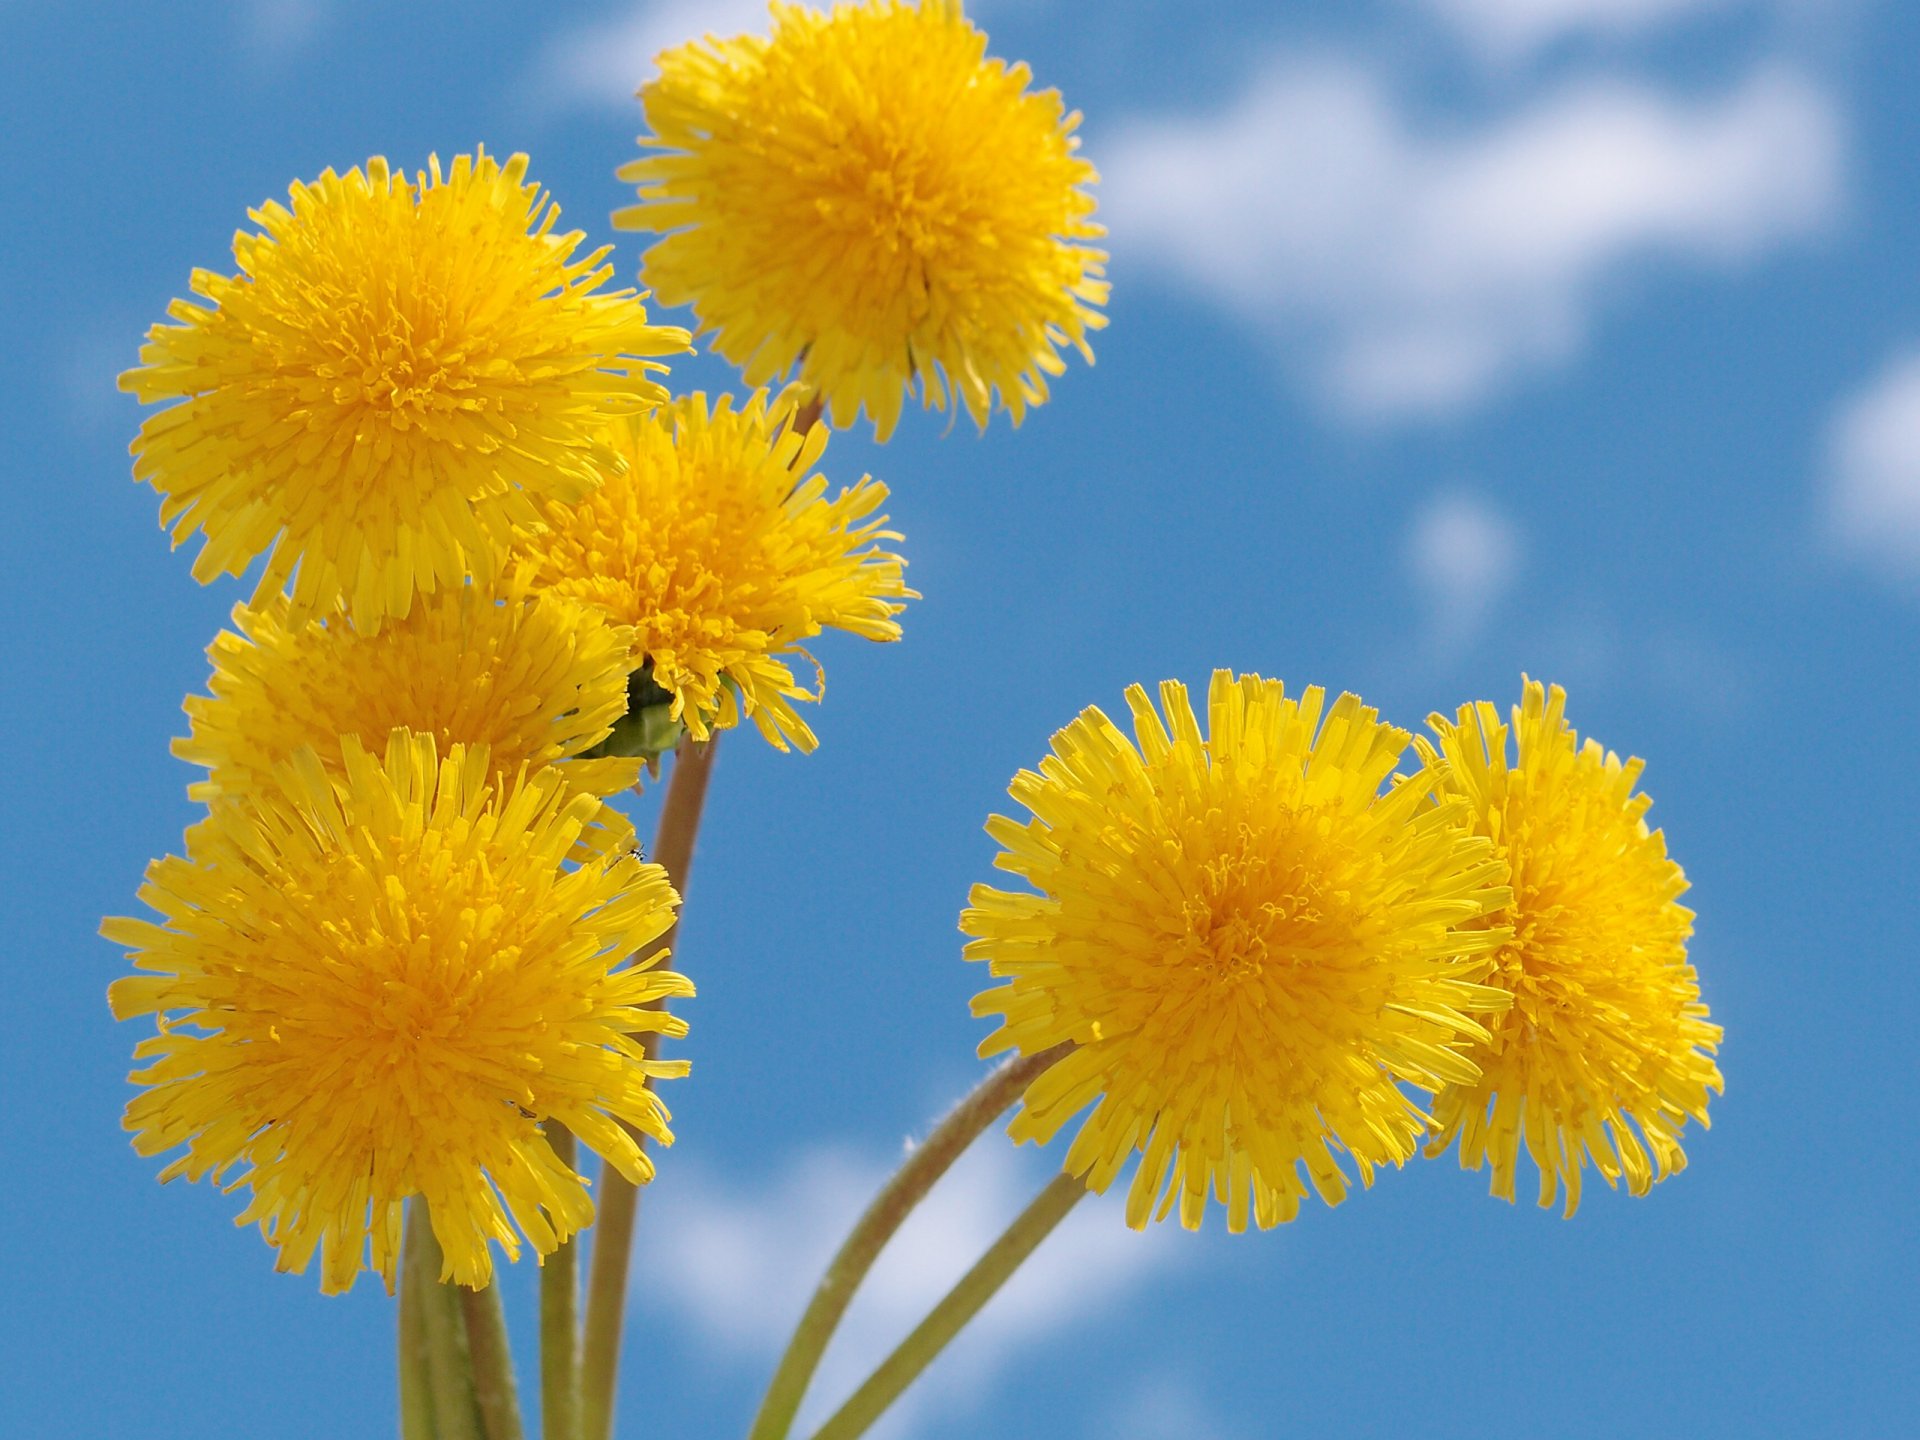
619 1202
961 1304
560 1321
493 1389
990 1099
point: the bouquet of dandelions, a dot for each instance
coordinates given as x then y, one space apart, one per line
412 962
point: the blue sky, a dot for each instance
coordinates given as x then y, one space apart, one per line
1450 339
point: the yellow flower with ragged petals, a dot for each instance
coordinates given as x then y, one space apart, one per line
400 370
715 543
536 680
385 985
1248 945
867 196
1607 1035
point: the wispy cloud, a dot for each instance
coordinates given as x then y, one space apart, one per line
272 32
602 62
599 64
1414 270
743 1259
1512 29
1873 470
1463 556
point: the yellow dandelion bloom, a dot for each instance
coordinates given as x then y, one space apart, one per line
383 985
1607 1032
716 544
399 370
866 195
1246 942
537 681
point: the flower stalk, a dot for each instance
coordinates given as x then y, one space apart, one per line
889 1209
560 1322
415 1361
493 1388
449 1368
960 1305
620 1199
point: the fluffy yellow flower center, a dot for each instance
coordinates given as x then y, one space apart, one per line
382 984
537 681
867 195
724 555
399 370
1605 1053
1246 942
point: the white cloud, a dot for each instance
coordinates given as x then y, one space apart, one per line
739 1265
272 32
1413 270
1511 29
604 62
1463 555
1873 498
1163 1406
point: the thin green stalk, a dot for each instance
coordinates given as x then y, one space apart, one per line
493 1387
950 1316
416 1369
908 1185
449 1367
619 1200
560 1322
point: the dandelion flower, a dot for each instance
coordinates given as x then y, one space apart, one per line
399 370
385 985
1246 942
866 195
723 553
1607 1031
537 681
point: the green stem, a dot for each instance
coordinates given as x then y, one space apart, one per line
560 1322
961 1304
619 1201
449 1367
492 1363
416 1367
909 1185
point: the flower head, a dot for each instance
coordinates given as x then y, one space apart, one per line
1607 1031
714 543
536 681
865 194
1247 944
384 984
397 372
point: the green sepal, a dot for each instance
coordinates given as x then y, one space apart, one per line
648 730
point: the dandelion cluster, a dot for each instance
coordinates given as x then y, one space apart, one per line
411 953
1249 948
